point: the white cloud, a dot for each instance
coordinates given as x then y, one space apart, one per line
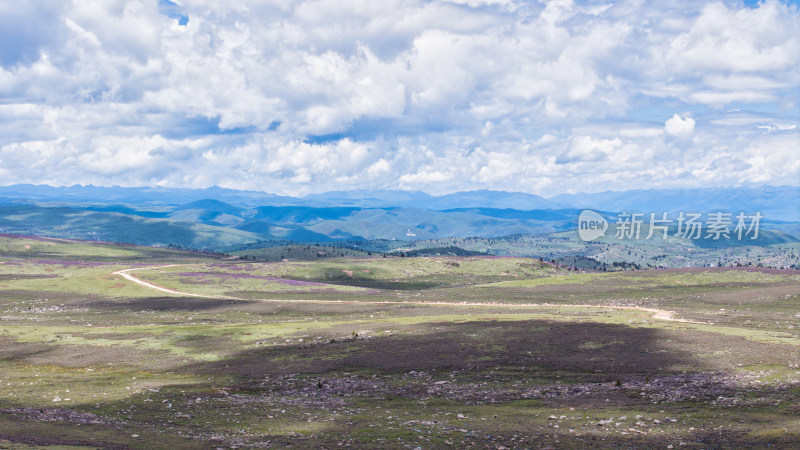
477 3
314 95
746 40
678 126
585 149
772 127
423 178
498 170
640 132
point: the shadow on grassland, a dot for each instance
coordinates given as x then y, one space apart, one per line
166 304
559 352
584 349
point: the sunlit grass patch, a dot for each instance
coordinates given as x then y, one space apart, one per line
50 386
221 280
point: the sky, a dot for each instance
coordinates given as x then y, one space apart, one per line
295 97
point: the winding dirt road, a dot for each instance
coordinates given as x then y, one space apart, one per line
658 314
124 274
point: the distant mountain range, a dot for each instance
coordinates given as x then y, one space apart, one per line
417 199
157 196
777 203
217 224
217 217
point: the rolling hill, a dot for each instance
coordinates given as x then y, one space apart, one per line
115 227
217 218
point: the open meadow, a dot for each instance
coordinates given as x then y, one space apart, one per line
119 346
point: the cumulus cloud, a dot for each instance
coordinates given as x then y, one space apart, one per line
678 126
586 149
311 95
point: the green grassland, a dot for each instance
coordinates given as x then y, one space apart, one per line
383 273
771 249
374 352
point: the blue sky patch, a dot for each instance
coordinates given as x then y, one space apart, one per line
174 11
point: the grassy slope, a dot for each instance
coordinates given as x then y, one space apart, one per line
109 226
137 368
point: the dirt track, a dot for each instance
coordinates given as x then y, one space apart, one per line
658 314
124 274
